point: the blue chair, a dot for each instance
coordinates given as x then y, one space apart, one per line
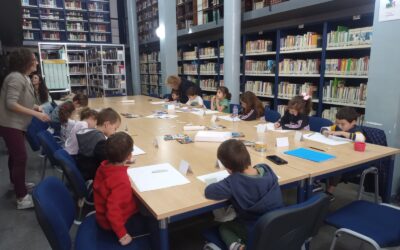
55 210
207 103
75 180
271 115
287 228
50 146
316 123
31 133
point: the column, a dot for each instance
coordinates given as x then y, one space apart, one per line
133 46
232 22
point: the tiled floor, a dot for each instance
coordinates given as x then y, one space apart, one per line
20 230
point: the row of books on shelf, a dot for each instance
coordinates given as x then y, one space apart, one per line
344 36
207 52
189 55
258 46
306 67
97 6
208 84
260 67
289 90
74 69
151 79
148 14
189 68
282 108
330 114
208 68
76 58
141 5
259 88
152 68
310 40
336 91
149 57
347 66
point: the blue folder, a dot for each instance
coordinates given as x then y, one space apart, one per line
310 155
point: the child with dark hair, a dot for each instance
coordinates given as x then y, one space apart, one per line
91 142
296 115
253 191
220 101
79 101
64 114
114 201
175 95
345 126
42 93
194 98
88 119
252 107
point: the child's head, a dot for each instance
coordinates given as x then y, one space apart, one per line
300 105
119 147
223 92
234 156
346 118
175 95
191 93
108 121
90 116
249 101
80 100
66 110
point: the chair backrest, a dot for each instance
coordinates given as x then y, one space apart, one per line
271 115
374 135
55 211
288 228
207 103
49 144
31 133
71 171
316 123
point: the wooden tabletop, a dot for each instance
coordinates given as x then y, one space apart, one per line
201 156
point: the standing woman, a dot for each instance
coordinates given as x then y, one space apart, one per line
17 107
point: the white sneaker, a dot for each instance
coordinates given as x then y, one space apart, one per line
28 185
25 202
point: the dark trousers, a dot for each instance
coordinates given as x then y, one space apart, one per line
17 157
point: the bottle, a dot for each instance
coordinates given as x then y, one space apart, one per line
235 111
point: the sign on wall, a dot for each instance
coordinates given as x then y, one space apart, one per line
389 10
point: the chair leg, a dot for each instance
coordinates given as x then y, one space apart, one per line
335 238
362 237
374 171
44 167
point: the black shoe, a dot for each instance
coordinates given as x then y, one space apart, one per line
331 196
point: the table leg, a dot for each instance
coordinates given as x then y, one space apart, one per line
308 187
163 234
389 181
301 191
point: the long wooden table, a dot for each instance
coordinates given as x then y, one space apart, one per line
176 203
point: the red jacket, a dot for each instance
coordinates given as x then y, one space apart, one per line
113 198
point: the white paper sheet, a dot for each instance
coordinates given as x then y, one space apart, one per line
193 128
213 177
269 127
331 140
212 136
137 151
229 118
155 177
282 142
128 101
156 103
163 116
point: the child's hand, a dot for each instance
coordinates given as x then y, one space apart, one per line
336 133
213 98
277 124
131 161
125 240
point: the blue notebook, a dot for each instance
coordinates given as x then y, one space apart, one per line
310 155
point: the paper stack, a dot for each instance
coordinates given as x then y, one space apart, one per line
212 136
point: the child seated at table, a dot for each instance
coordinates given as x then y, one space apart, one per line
296 114
116 205
91 142
345 126
220 101
175 95
194 99
252 107
253 191
79 101
64 114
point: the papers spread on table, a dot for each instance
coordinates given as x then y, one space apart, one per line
127 101
203 112
159 102
263 127
213 177
193 128
229 118
331 140
212 136
310 155
162 116
155 177
137 151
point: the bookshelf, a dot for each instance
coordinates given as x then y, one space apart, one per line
150 72
93 69
328 60
66 21
147 17
197 12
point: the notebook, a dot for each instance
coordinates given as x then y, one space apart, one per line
310 155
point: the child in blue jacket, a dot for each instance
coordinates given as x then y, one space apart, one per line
253 191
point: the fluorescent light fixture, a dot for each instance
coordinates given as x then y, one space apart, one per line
160 31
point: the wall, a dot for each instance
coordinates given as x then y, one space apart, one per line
383 98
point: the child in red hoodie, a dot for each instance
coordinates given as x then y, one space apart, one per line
114 201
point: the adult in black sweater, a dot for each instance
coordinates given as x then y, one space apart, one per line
182 85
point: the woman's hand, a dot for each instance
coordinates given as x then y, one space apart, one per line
42 116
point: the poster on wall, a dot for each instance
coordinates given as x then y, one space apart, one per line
389 10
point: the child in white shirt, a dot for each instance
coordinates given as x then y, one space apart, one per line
194 99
